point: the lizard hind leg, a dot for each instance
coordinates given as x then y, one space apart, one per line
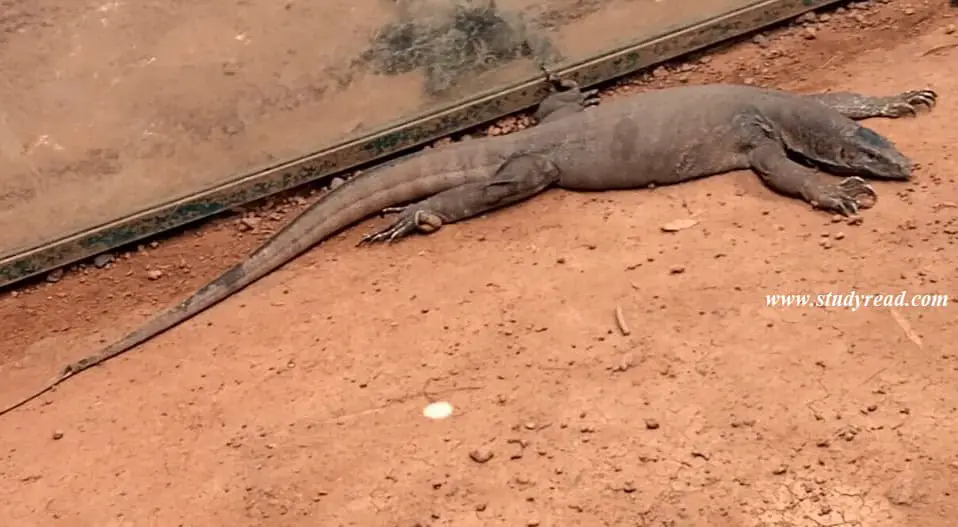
520 177
857 106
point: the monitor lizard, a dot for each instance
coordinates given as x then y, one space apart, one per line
655 137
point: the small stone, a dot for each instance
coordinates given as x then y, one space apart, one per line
154 274
676 269
336 182
481 455
248 223
779 470
651 424
809 33
530 425
625 363
102 260
57 435
949 29
839 235
909 11
54 276
628 487
848 434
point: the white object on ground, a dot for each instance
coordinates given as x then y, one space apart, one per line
438 410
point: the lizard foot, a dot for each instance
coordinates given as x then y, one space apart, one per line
558 84
585 98
410 219
846 197
907 103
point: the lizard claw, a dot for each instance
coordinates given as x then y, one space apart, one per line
410 220
847 197
558 84
586 98
927 98
907 103
391 210
590 98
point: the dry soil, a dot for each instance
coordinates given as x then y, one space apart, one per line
299 401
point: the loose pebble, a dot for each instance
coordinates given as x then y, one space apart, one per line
102 260
481 455
679 225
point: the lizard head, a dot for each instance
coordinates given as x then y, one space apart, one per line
857 150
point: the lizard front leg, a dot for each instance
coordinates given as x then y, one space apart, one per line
787 177
519 177
568 98
857 106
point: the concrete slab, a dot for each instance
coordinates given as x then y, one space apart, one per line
113 109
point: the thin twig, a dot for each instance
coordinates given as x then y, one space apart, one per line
936 49
620 321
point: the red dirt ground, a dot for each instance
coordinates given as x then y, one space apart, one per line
299 401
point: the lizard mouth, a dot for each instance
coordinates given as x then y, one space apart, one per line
891 171
880 169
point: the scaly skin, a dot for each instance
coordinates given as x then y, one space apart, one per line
659 137
678 134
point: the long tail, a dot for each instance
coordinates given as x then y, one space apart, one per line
398 182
